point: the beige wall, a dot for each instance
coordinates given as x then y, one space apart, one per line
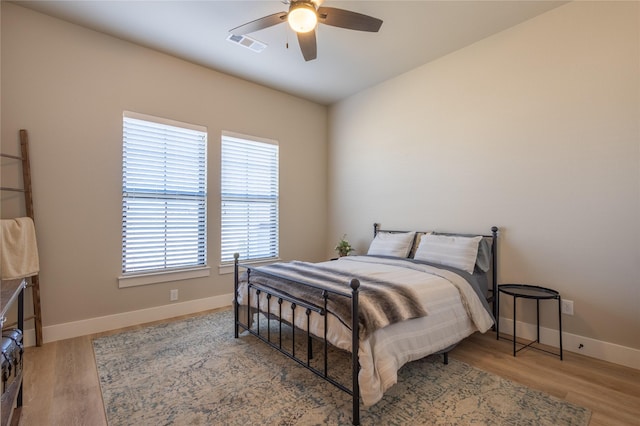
68 87
536 130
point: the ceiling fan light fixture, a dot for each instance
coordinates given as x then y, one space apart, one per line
302 17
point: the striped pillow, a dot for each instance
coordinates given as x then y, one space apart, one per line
396 244
455 251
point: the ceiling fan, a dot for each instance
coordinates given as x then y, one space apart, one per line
303 17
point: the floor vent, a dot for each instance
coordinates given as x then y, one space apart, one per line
248 42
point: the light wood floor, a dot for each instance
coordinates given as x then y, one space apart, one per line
61 385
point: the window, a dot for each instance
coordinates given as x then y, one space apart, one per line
249 191
164 195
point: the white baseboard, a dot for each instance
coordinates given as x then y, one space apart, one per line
126 319
605 351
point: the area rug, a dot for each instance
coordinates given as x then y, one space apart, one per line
193 372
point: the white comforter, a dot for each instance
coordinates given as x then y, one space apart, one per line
454 312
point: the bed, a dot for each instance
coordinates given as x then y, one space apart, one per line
412 295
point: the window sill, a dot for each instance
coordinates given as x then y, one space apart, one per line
227 268
135 280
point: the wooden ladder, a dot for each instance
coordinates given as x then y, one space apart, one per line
28 200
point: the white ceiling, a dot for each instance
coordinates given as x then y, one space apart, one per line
413 33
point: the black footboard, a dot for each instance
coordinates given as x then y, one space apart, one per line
262 292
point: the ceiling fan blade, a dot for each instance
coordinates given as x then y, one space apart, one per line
348 19
308 46
259 24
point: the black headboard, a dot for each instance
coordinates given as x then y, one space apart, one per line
494 257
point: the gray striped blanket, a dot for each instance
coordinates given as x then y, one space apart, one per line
381 302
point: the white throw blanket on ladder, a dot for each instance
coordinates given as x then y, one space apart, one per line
18 249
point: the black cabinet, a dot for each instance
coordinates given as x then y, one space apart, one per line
12 291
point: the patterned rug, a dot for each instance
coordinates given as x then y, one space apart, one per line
193 372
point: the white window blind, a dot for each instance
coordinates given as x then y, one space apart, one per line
249 191
164 195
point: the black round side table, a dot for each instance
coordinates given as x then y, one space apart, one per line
526 291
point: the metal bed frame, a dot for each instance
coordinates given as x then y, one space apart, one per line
263 290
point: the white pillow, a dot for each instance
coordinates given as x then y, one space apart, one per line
391 244
458 252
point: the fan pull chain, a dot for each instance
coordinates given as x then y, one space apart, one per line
286 38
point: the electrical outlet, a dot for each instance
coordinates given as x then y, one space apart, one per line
567 307
173 295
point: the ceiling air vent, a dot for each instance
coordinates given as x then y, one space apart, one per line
248 42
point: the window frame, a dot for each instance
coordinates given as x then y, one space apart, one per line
227 265
151 276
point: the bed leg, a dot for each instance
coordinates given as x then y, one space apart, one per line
355 344
446 358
